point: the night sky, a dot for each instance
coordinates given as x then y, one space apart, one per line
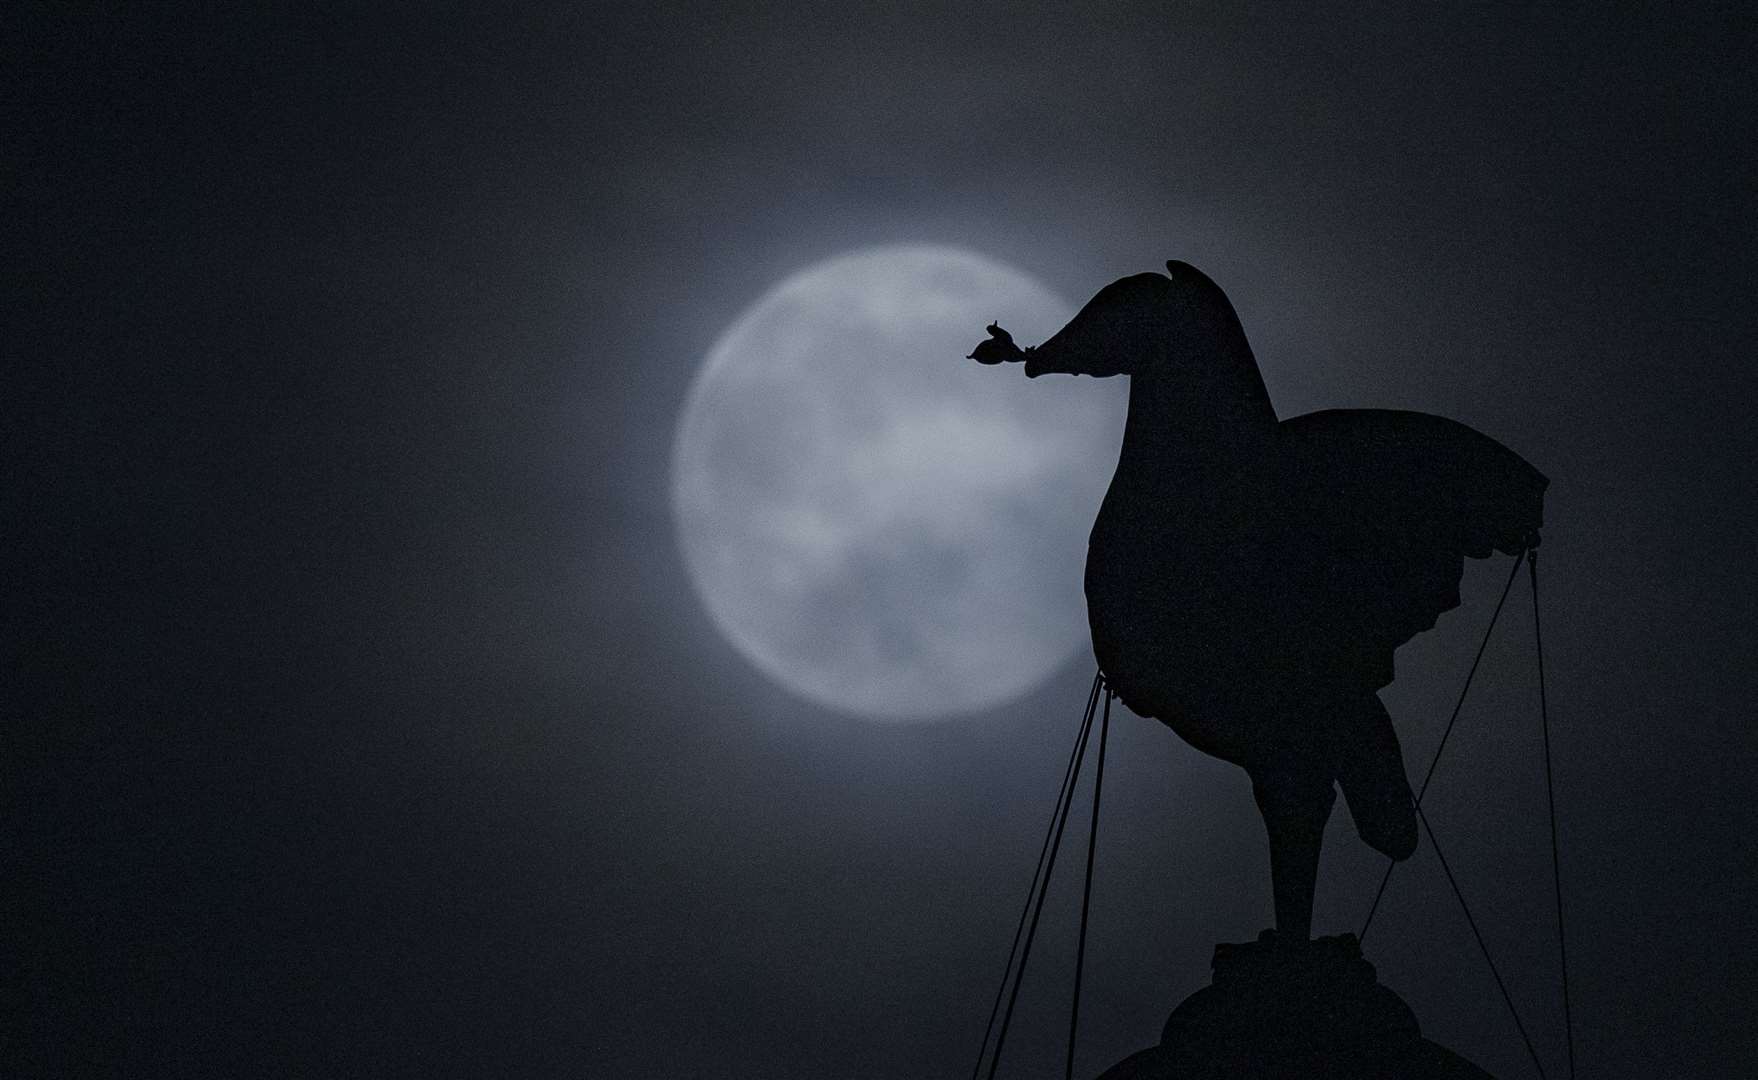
361 720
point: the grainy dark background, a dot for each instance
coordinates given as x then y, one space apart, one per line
359 718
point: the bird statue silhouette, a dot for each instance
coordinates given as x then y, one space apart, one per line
1247 580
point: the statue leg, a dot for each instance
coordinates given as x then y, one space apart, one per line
1295 800
1370 770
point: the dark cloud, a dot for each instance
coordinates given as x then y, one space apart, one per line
366 723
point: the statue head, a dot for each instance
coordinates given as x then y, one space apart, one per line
1136 325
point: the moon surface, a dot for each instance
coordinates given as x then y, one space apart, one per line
877 523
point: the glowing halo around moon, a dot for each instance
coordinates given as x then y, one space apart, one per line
875 522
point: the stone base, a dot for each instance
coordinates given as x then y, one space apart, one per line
1300 1009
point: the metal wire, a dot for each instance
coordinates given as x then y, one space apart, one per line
1040 877
1086 896
1392 864
1550 798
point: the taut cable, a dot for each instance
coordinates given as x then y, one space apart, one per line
1550 797
1043 888
1451 720
1482 946
1086 896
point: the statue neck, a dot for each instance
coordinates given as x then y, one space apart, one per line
1211 408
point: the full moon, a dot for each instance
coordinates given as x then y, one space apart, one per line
877 523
